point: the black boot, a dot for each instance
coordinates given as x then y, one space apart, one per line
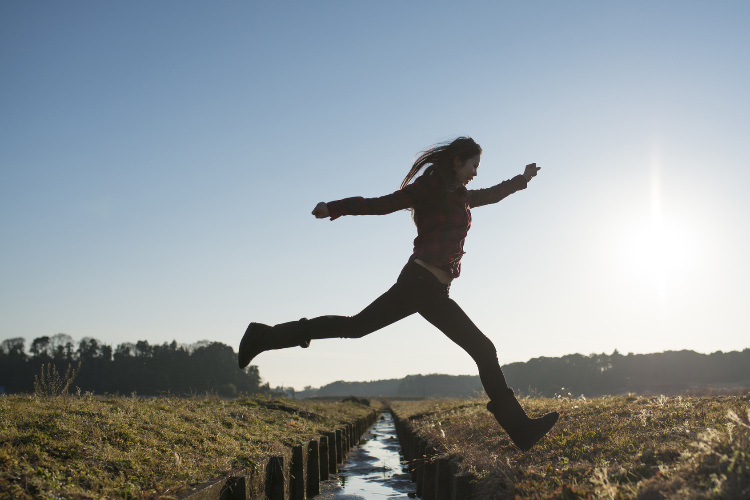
259 338
523 431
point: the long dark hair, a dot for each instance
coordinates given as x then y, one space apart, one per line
439 161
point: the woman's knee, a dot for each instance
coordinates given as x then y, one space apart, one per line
483 351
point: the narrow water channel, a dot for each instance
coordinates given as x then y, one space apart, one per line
373 469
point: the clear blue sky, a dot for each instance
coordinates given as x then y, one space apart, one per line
159 162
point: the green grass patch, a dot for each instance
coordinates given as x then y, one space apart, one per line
127 447
611 447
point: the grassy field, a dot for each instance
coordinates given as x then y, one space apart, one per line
128 447
609 448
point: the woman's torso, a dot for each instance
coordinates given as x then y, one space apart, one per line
442 228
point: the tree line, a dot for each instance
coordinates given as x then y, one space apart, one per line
212 366
591 375
139 368
661 372
412 385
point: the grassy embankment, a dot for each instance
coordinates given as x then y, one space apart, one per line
611 447
125 447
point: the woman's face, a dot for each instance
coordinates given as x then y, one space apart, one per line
468 170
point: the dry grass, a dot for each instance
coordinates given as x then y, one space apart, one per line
126 447
610 448
709 391
52 383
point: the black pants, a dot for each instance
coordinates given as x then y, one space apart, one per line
417 290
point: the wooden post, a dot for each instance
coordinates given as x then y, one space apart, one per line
299 472
420 465
428 478
276 487
313 468
442 480
339 447
323 452
332 453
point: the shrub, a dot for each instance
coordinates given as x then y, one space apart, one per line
51 383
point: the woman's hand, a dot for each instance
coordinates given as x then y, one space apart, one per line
531 170
320 211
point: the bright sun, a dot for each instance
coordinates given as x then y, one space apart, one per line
658 253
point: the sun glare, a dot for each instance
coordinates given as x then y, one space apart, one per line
659 254
661 251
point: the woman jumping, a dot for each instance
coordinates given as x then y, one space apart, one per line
440 205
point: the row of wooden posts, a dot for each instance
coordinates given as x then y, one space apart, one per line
437 478
296 476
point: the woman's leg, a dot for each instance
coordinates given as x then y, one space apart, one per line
525 432
396 304
400 301
450 319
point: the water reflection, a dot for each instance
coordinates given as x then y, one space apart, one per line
373 469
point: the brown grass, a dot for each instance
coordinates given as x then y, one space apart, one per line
611 447
126 447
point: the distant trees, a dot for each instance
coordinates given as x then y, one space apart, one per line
595 374
439 385
592 375
141 368
212 366
374 388
411 385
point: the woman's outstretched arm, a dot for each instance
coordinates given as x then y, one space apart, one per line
410 196
479 197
